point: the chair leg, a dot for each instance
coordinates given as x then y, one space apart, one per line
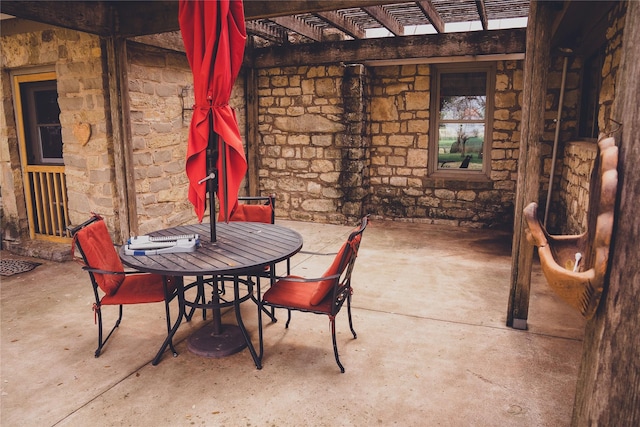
269 313
102 342
171 329
286 325
332 320
349 315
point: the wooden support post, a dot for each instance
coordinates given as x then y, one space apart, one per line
608 389
251 95
116 69
536 66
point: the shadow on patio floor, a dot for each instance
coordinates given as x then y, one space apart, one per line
429 308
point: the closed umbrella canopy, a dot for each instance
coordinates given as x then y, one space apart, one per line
214 36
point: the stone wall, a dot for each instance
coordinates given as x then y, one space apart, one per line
76 59
579 157
159 134
574 186
161 98
318 123
335 141
610 68
160 101
567 132
301 123
401 187
12 202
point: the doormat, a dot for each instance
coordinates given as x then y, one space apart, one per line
9 267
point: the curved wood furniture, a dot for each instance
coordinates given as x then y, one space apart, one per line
575 266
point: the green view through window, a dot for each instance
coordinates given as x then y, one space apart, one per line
460 118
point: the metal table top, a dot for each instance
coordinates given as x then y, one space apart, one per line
240 247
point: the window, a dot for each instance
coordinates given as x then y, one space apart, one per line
461 120
42 122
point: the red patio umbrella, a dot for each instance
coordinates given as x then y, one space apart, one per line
214 36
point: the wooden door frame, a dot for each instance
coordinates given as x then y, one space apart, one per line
17 79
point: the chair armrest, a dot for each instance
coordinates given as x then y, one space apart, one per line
306 280
99 271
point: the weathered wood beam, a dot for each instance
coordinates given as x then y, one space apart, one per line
579 27
561 16
473 43
385 19
297 25
172 40
136 18
482 12
87 16
432 14
343 23
608 387
251 126
276 35
270 9
142 17
120 122
536 69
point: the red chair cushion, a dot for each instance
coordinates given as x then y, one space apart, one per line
289 293
252 213
99 252
322 288
138 289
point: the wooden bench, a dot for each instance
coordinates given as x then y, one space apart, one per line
575 266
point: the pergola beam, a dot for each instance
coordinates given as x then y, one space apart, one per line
297 25
432 14
468 45
276 35
343 23
270 9
482 12
106 18
385 19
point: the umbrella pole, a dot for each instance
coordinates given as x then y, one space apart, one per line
225 188
212 184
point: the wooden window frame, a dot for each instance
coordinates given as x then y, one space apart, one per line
437 70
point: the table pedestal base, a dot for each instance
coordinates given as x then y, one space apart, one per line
207 343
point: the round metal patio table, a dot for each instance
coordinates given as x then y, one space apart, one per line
240 249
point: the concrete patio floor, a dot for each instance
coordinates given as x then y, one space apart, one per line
429 308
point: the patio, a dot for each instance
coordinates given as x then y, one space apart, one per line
429 308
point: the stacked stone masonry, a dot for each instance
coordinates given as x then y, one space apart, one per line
578 163
305 127
334 141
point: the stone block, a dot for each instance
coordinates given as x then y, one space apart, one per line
444 194
467 195
384 109
318 205
326 87
417 100
322 166
397 181
401 140
505 100
308 123
322 140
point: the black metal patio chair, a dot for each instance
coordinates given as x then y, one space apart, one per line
324 295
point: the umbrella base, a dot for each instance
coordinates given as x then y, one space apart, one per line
207 343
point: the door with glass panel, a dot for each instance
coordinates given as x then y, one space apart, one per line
40 138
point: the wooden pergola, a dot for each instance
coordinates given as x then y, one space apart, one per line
608 391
